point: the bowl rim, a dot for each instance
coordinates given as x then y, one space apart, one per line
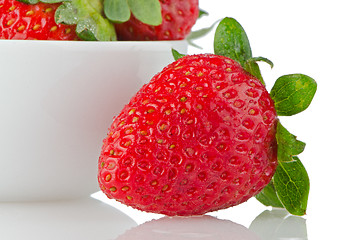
152 46
18 41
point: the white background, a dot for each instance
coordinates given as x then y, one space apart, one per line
321 39
318 38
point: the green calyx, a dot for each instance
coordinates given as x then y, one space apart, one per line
146 11
289 187
292 94
87 15
199 34
231 41
176 55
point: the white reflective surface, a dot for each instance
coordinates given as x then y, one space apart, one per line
92 219
269 225
72 219
277 224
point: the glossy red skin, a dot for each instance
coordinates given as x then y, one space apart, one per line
198 138
178 18
24 21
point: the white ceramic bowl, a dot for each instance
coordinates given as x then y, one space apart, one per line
57 100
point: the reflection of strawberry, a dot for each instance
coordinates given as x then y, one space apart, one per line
178 17
199 137
19 20
194 227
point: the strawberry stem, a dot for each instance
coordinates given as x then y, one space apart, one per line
88 16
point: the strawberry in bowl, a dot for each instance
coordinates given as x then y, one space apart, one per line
59 89
92 20
176 20
54 20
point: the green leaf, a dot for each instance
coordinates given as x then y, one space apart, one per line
97 5
117 10
199 34
202 13
176 55
147 11
289 187
269 197
66 14
87 15
291 182
288 145
231 41
261 59
252 67
293 93
86 29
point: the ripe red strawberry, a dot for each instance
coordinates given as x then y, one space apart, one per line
203 135
199 137
68 20
19 20
178 17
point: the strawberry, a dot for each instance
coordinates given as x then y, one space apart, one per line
175 21
52 20
24 21
204 135
199 137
